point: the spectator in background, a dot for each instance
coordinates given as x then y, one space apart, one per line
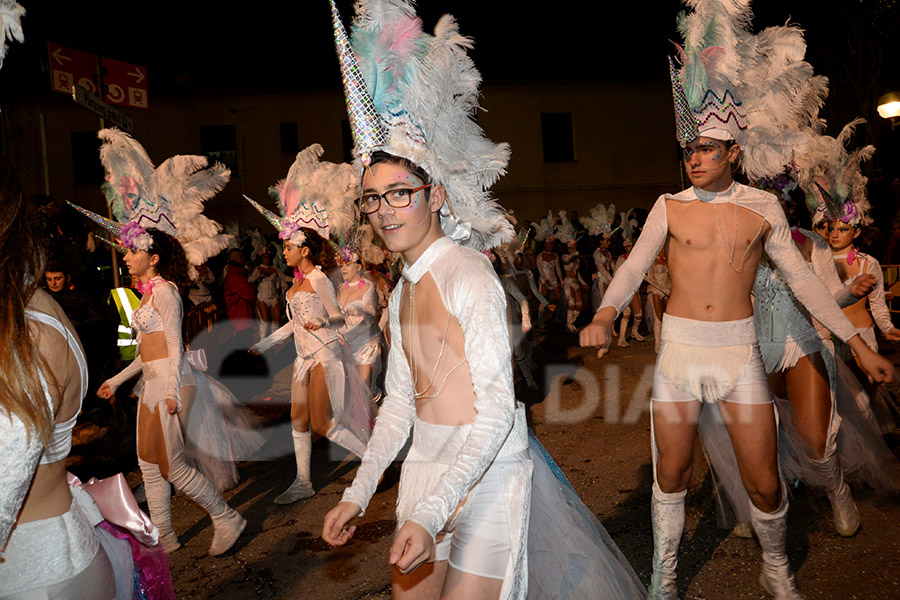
240 298
86 316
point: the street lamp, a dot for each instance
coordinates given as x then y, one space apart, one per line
889 107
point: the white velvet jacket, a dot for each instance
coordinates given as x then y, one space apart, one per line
471 293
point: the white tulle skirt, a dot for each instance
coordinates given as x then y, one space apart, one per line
352 409
853 434
570 554
216 432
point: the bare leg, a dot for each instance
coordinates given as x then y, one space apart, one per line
811 410
300 404
675 427
424 583
754 437
151 444
319 401
810 396
459 585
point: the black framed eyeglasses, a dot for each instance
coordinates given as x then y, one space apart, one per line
395 198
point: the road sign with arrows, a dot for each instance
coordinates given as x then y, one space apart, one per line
70 67
126 84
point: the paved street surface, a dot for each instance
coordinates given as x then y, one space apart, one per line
595 424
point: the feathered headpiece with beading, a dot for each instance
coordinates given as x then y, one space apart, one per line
413 95
832 180
754 89
169 197
599 220
310 196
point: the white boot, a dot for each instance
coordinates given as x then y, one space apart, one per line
771 530
623 328
667 514
159 502
302 487
571 315
263 329
227 522
846 515
634 328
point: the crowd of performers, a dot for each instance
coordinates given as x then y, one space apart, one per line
398 276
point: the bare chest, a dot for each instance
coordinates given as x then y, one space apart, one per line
714 227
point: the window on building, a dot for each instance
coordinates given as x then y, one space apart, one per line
290 141
558 137
219 142
86 166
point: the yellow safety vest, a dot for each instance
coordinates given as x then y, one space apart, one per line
126 301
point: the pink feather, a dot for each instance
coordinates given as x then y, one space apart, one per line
709 56
402 35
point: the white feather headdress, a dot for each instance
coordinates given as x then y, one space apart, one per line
11 14
413 95
169 197
832 180
755 89
599 220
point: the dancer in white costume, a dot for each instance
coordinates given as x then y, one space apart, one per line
547 263
48 545
179 421
358 298
599 225
659 286
634 306
464 504
269 281
709 350
327 394
573 285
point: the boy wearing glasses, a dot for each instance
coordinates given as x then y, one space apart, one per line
465 484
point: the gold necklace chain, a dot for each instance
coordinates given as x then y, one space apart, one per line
414 352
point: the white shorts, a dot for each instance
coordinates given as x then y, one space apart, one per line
709 361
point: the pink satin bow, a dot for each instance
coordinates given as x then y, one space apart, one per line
117 505
197 359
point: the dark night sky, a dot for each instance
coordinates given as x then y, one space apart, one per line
289 44
203 47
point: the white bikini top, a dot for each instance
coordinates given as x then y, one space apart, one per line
147 319
61 440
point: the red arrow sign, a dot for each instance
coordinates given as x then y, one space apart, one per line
70 67
126 84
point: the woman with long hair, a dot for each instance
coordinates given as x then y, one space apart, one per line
170 388
47 539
